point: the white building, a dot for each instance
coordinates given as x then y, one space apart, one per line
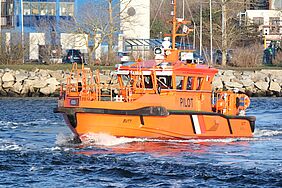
135 18
269 21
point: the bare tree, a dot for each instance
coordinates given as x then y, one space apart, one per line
98 18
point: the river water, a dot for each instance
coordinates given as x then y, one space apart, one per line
36 151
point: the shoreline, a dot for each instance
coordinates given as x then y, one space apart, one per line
46 83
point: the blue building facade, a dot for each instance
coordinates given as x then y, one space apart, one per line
36 13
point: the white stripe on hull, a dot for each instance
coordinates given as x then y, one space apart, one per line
196 124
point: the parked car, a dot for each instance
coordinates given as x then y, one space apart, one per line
73 56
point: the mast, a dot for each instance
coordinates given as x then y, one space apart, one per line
173 35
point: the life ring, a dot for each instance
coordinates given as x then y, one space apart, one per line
244 102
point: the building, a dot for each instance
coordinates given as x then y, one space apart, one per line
38 23
268 20
38 13
7 14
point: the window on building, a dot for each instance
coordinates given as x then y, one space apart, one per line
43 9
51 9
66 9
34 8
26 8
274 21
258 20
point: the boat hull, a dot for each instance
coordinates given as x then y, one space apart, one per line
155 122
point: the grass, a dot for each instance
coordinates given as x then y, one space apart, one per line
33 66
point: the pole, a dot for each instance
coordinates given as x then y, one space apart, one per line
174 25
211 49
194 36
1 18
183 9
224 36
201 28
22 28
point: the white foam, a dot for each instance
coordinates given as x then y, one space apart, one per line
63 139
102 139
6 145
107 140
267 133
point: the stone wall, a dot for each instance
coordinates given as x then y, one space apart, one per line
255 83
47 82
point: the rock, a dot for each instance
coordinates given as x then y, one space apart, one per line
274 86
258 76
45 90
232 85
217 83
247 82
247 73
267 79
227 78
56 74
53 87
52 81
17 87
21 76
8 77
31 74
238 80
228 73
44 73
220 72
261 85
33 78
8 84
25 89
3 92
39 84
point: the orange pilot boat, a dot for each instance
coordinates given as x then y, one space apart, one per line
164 98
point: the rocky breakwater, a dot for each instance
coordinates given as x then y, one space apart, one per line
47 82
30 83
42 83
254 83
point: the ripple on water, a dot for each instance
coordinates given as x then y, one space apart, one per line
32 153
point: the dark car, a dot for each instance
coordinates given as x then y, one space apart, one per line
73 56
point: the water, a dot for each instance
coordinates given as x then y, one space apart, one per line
36 151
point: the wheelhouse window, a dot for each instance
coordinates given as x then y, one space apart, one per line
148 82
179 82
165 82
125 79
189 85
199 83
